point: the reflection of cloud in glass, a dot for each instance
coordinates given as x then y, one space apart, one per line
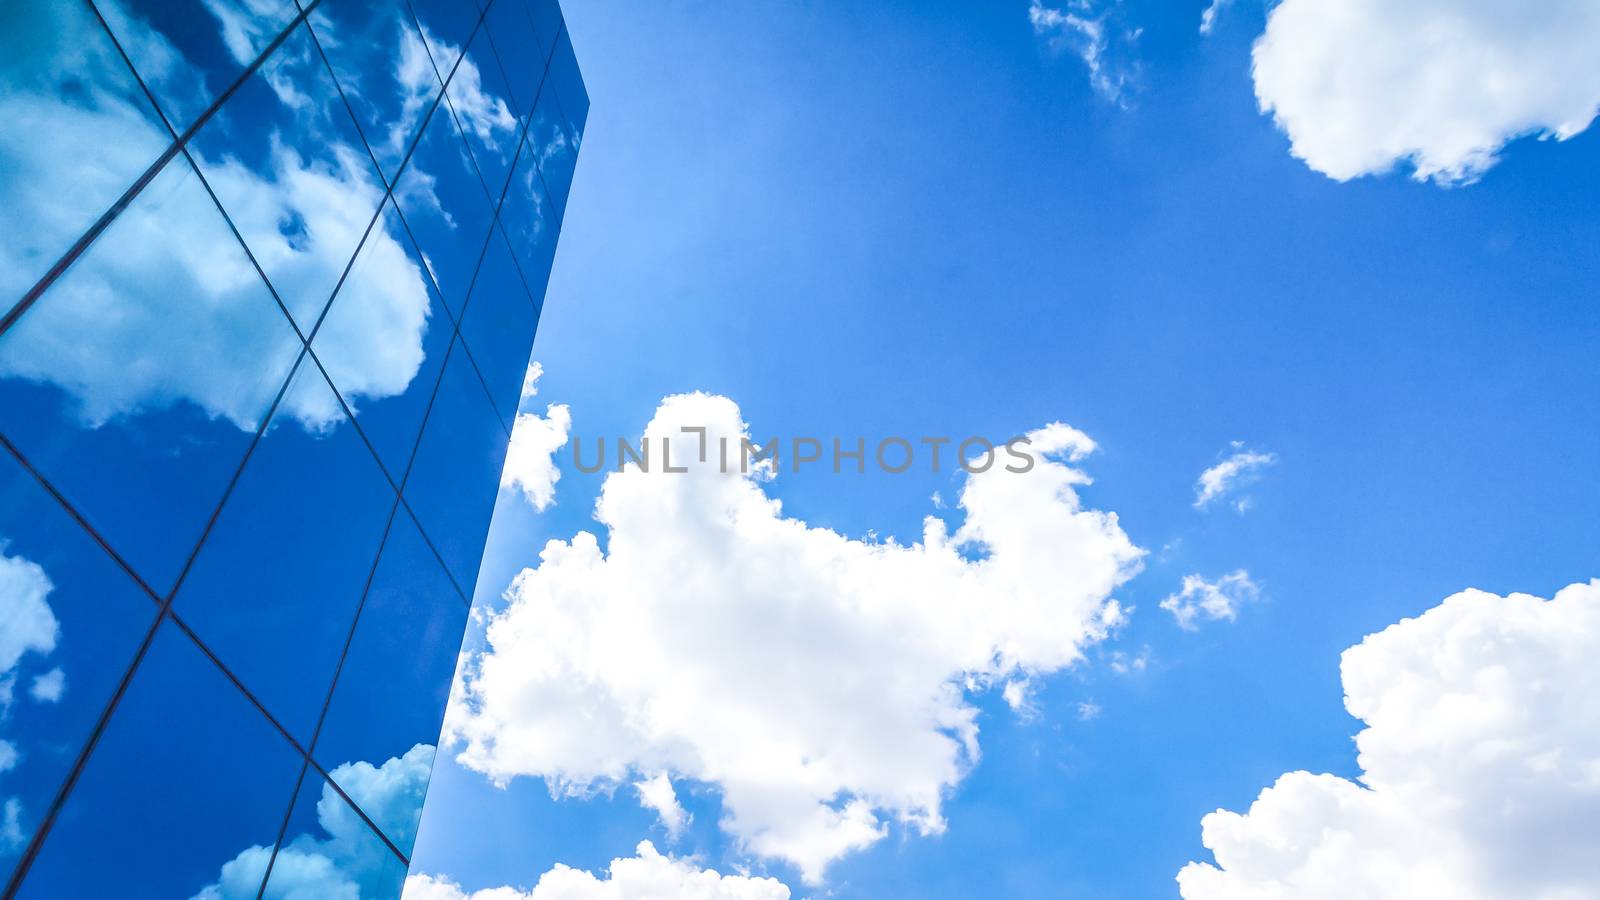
349 863
27 625
151 320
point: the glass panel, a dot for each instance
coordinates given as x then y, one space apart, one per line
136 383
189 53
378 57
328 850
555 145
531 224
546 18
384 340
78 133
446 27
390 699
187 775
480 102
275 588
447 206
453 480
569 83
70 622
520 52
287 163
498 326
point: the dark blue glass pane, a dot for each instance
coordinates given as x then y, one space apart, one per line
498 326
136 383
531 224
329 850
446 27
480 102
389 703
188 53
275 588
379 59
554 144
568 83
284 158
78 132
187 780
447 206
70 622
384 340
546 18
520 52
452 483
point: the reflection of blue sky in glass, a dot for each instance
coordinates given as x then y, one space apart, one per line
218 360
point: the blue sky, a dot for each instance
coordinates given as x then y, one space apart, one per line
928 219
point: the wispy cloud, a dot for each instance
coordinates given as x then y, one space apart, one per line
1211 600
1240 468
1096 34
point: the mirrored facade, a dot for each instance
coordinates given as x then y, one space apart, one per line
269 282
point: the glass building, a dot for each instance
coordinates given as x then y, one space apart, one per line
269 275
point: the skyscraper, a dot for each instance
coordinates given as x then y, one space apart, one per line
270 274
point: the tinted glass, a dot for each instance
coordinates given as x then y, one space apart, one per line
185 781
481 103
274 590
284 158
530 222
379 59
498 326
447 206
383 342
137 382
405 646
78 133
70 622
329 850
453 480
189 53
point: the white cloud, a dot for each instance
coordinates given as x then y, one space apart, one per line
530 381
1480 768
1239 469
646 876
531 456
105 333
1092 30
656 793
1213 600
49 687
818 681
27 625
1442 85
345 862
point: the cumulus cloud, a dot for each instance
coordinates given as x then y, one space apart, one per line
531 466
1093 31
1213 600
1239 469
344 861
162 310
646 876
1441 85
1480 768
819 682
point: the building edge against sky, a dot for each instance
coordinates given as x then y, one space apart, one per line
270 285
